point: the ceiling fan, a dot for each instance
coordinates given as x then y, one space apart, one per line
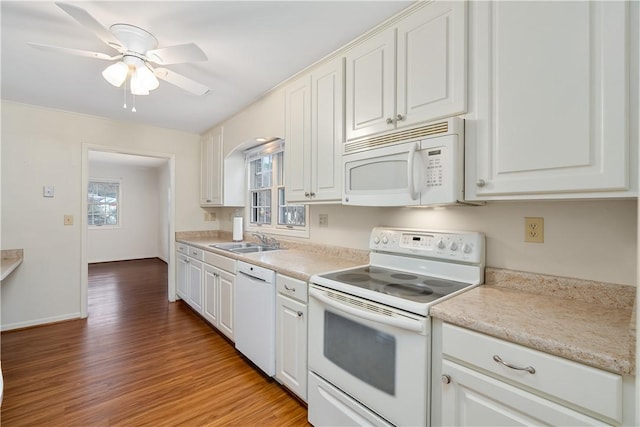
137 49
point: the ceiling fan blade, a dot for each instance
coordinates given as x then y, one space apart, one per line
189 52
77 52
85 19
181 81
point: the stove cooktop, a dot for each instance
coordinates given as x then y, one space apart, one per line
399 284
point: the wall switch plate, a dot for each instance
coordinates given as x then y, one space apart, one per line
323 220
68 220
47 191
534 229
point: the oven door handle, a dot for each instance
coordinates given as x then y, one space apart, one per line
410 325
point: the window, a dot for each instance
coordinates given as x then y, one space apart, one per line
268 210
103 203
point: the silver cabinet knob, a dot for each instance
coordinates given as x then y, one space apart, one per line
481 183
389 121
300 314
307 194
446 379
400 117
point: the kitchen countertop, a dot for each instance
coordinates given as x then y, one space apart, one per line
300 261
587 322
11 259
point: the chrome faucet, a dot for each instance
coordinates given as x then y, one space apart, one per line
266 240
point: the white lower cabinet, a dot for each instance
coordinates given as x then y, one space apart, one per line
219 292
189 276
485 381
291 334
475 399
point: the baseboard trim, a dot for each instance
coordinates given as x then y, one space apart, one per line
40 322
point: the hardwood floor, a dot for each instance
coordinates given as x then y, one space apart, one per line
136 360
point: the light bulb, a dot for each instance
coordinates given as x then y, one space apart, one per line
116 73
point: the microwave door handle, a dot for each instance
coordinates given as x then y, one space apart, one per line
410 162
411 325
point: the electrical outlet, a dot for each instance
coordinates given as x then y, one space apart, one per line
323 220
534 229
68 220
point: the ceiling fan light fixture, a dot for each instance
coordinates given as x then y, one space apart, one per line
147 77
138 86
116 73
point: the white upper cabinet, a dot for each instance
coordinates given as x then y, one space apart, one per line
211 169
314 134
550 100
408 74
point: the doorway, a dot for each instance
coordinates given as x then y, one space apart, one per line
143 183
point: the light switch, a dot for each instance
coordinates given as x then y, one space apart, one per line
47 191
68 220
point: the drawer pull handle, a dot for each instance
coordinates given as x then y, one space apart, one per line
529 369
289 289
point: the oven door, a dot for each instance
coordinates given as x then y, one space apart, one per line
375 354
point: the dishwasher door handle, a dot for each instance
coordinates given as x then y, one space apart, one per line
252 277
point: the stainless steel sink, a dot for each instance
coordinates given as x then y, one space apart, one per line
244 247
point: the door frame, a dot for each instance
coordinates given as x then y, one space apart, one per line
84 265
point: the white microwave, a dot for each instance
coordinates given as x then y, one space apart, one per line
418 167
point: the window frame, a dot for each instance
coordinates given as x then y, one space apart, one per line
118 204
278 162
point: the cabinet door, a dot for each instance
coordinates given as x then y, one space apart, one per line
474 399
298 140
195 285
227 285
206 145
432 63
291 340
327 131
211 294
182 276
370 85
551 86
211 169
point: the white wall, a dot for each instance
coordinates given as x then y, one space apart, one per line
44 147
138 233
164 203
593 240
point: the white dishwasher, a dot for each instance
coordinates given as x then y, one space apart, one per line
255 315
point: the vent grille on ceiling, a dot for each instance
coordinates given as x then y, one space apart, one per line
394 138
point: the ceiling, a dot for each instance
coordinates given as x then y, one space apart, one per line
122 159
251 47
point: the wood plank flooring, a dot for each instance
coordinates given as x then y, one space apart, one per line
137 360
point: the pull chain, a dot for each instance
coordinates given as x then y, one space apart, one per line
125 95
133 110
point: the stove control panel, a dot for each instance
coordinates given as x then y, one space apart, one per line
461 246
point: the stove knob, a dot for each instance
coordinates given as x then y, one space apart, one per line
385 239
376 240
466 248
441 244
453 246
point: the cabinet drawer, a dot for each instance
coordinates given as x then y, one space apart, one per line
589 388
182 248
221 262
196 253
293 288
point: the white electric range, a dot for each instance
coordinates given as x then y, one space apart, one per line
369 326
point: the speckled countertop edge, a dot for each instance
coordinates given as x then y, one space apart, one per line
584 321
561 316
297 260
10 260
